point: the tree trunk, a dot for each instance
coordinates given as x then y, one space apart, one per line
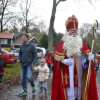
51 27
26 25
1 26
1 23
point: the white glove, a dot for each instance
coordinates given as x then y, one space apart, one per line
68 61
90 57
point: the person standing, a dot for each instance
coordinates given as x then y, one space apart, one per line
43 75
49 57
1 66
71 60
27 58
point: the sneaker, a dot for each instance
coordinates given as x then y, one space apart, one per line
33 90
23 93
41 95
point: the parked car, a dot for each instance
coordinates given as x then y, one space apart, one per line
16 52
40 49
8 58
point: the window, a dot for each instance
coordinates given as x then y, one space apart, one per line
3 41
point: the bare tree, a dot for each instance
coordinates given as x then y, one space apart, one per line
42 26
24 19
5 14
14 25
85 29
51 26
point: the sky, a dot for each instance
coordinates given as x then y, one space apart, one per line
82 9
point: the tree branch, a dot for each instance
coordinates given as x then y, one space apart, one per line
90 2
59 2
7 21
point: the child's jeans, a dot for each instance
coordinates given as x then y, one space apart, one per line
43 85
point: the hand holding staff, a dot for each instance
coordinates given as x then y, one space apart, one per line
88 74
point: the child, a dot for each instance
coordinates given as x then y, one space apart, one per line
43 75
40 57
49 59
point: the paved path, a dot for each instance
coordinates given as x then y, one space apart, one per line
12 92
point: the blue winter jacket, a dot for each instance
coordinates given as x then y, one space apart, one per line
28 54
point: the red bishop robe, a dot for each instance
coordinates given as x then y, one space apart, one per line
61 76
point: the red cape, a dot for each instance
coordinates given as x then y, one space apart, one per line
58 84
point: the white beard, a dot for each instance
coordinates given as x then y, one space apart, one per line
72 45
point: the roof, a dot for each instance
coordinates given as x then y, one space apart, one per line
6 35
16 35
18 41
34 38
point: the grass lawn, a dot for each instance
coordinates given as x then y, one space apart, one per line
12 71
